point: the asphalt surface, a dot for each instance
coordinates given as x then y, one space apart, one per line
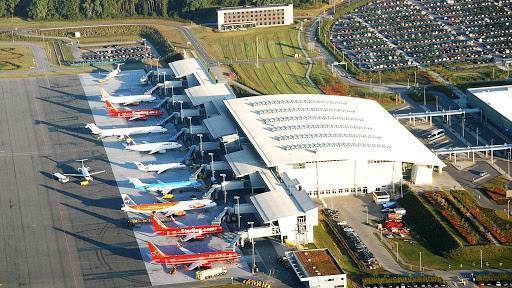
53 234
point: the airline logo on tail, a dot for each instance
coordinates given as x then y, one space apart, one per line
110 107
140 166
155 252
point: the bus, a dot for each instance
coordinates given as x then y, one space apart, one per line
436 134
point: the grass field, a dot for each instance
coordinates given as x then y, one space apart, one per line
410 253
470 75
275 78
16 58
275 42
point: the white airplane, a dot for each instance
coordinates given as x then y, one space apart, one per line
166 207
124 132
126 100
84 171
151 148
159 168
112 74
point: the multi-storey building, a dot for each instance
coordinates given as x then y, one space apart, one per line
235 18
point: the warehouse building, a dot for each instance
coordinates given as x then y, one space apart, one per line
236 18
495 103
317 268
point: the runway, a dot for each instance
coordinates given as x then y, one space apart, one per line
53 234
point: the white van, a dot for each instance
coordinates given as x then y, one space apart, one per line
436 134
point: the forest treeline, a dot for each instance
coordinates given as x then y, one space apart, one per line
95 9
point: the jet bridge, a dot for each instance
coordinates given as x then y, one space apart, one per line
144 80
194 175
168 119
254 233
190 152
209 193
175 137
218 219
473 150
430 114
152 89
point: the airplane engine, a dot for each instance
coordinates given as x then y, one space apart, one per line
162 151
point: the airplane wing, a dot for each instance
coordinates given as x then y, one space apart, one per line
183 249
162 170
127 200
190 236
177 222
136 117
76 175
197 264
130 102
155 150
166 190
98 172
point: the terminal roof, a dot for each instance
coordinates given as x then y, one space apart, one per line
288 129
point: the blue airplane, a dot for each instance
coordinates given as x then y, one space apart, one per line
165 187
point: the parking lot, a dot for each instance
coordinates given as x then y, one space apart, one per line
122 166
385 35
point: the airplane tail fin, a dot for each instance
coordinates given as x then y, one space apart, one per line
158 225
104 94
129 140
140 166
94 129
155 252
110 107
127 200
137 183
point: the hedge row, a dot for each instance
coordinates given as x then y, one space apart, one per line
427 224
493 277
399 280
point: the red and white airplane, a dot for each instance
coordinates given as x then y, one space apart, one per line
138 114
184 232
193 260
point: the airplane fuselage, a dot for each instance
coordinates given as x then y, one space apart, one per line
140 113
131 99
121 132
172 206
159 167
159 146
184 231
208 257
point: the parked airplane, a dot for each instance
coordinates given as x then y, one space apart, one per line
184 232
139 114
159 168
113 73
165 187
84 171
124 132
152 148
167 207
126 100
193 260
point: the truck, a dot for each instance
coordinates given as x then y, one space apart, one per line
209 273
60 177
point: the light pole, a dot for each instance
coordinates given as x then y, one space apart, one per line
396 251
367 214
476 136
424 96
508 209
253 254
201 147
237 198
420 262
190 126
225 191
211 167
181 110
481 260
165 88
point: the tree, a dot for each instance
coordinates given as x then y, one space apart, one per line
38 9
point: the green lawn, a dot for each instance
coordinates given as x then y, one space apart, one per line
410 252
16 58
469 75
274 42
275 78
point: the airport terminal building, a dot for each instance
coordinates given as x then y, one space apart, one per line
496 105
291 149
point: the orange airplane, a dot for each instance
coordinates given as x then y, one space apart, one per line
139 114
168 208
184 232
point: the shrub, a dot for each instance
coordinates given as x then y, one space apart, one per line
427 224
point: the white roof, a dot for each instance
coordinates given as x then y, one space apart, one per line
287 129
219 126
245 161
190 67
280 201
205 93
498 98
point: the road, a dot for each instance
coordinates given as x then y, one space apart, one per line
210 62
40 57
